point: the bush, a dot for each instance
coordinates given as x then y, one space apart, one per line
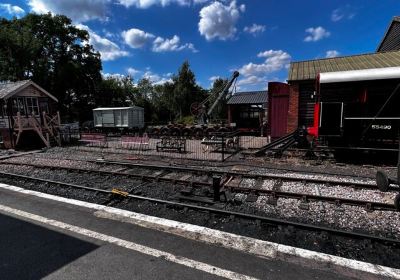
187 120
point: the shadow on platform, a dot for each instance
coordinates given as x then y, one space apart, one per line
29 251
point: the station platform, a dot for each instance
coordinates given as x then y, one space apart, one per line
43 238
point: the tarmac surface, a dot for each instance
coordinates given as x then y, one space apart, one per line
45 239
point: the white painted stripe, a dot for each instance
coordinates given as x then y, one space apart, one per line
232 241
128 245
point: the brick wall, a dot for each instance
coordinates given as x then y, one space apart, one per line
293 112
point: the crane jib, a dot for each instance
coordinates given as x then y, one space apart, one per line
224 92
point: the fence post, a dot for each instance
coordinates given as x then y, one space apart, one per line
398 165
216 186
223 146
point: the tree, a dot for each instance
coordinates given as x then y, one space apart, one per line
56 55
186 91
114 91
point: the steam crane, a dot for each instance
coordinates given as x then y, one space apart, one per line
202 126
200 111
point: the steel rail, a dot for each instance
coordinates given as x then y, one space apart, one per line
310 172
267 168
275 221
360 185
305 197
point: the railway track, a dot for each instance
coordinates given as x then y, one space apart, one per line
113 193
304 179
228 184
371 184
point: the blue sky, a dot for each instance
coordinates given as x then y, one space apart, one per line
151 38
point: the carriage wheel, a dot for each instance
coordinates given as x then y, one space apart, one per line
195 108
187 132
155 132
223 129
164 132
175 131
198 133
209 131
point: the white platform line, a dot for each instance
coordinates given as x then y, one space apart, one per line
128 245
248 245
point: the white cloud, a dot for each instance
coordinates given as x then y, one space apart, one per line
78 10
218 20
132 71
156 79
275 60
116 76
12 10
346 12
256 75
166 45
144 4
253 80
332 53
136 38
316 34
108 49
213 78
255 29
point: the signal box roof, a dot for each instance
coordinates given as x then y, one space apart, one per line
8 89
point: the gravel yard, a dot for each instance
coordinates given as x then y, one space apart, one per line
351 218
345 217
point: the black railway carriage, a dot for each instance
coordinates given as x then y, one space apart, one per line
358 109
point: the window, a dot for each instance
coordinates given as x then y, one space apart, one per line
117 115
19 105
250 113
2 109
32 106
14 104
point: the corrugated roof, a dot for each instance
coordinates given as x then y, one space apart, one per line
249 97
9 87
308 70
391 40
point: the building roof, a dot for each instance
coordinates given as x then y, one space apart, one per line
116 108
249 97
10 88
391 40
7 88
308 70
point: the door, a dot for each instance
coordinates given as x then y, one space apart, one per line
331 118
279 115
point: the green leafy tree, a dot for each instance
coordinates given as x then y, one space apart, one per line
163 101
56 55
186 91
114 91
